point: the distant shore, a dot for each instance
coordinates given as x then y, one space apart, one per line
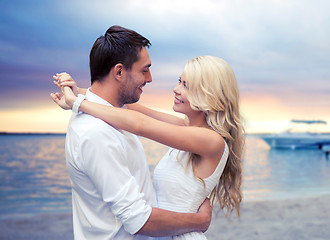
307 218
63 133
30 133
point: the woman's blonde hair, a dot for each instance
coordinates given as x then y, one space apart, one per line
212 88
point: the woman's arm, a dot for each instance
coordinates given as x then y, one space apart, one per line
82 90
202 141
64 79
156 114
198 140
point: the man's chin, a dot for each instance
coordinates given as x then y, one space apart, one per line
133 100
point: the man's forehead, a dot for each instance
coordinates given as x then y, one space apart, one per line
144 59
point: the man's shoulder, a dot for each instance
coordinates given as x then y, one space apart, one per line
84 124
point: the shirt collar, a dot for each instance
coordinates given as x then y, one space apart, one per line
95 98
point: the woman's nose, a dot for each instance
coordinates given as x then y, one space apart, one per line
176 90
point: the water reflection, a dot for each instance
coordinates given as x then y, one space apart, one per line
271 173
33 173
34 179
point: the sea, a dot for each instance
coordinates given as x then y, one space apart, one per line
34 179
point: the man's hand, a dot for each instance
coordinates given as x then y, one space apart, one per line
167 223
206 213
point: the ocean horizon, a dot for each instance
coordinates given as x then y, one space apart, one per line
34 179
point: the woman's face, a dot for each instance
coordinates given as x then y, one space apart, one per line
181 102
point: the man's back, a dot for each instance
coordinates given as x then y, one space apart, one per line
111 186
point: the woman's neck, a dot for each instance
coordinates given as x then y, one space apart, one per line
197 120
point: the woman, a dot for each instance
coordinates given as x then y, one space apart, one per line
206 146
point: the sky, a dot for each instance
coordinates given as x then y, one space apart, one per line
279 51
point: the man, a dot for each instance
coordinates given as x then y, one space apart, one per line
112 193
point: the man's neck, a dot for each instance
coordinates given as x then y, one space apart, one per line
105 92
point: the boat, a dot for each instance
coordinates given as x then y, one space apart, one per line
293 139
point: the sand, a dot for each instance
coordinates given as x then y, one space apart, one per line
285 219
307 218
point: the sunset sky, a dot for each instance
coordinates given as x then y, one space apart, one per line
279 51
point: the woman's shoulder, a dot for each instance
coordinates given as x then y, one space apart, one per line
215 141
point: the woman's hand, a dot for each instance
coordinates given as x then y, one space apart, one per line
64 101
64 79
69 91
59 99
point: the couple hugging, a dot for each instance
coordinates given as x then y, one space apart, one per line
112 193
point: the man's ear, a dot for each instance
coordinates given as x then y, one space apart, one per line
118 71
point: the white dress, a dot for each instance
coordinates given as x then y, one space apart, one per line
178 190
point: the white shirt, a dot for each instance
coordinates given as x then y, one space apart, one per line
112 192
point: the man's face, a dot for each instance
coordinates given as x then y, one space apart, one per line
136 78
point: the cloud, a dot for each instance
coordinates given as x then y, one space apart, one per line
275 47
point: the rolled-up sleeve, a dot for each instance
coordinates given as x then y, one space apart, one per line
105 161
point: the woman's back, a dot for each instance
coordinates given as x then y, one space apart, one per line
179 190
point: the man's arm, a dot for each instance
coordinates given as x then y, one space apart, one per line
166 223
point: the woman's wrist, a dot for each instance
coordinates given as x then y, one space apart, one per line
77 102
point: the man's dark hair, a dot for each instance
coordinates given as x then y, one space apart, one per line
118 45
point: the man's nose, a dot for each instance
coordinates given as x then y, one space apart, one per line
149 77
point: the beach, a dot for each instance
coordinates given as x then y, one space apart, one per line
306 218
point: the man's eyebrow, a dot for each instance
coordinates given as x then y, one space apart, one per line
148 65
